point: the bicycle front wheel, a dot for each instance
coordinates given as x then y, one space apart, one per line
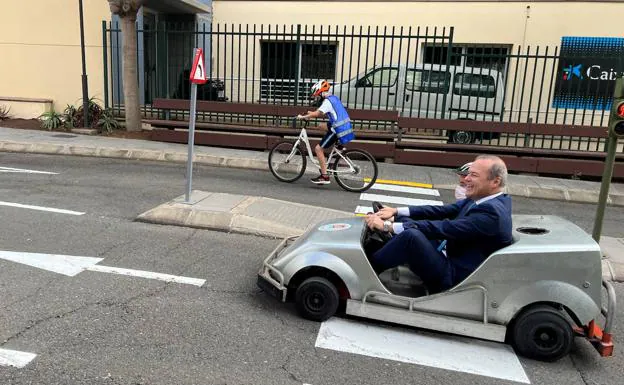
357 172
287 162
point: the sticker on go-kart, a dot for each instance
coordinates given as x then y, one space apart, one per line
335 227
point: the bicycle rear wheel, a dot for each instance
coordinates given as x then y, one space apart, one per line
287 162
357 174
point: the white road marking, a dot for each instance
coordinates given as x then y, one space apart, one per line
405 189
363 210
451 353
148 274
25 171
62 264
15 358
41 208
71 265
398 200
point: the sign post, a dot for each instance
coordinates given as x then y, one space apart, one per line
198 76
616 130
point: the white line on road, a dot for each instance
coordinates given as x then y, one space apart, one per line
446 352
25 171
41 208
398 200
69 265
405 189
363 210
15 358
148 274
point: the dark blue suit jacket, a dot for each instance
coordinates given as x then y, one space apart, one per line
472 231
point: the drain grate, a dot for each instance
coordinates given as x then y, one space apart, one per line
64 136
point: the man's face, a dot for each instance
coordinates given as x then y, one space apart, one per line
477 184
462 180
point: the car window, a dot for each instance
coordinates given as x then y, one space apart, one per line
428 81
483 86
383 77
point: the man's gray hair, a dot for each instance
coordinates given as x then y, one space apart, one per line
498 168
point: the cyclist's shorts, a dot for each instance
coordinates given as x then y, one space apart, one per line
329 139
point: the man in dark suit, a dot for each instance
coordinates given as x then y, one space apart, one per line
445 244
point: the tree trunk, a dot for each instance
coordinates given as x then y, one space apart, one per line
130 76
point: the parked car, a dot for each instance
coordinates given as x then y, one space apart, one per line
536 294
429 91
213 89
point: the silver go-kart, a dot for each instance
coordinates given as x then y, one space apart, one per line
536 294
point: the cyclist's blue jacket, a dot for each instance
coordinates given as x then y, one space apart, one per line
342 125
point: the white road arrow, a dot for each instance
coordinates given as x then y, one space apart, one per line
71 265
15 358
25 171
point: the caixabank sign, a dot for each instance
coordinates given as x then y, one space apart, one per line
588 67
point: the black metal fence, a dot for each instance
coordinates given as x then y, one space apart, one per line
419 72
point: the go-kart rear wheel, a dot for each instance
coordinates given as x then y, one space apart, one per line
542 333
317 299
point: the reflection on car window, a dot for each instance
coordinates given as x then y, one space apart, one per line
383 77
483 86
428 81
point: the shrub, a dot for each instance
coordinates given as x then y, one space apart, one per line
70 116
4 112
107 122
51 120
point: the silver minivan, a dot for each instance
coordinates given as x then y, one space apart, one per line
427 91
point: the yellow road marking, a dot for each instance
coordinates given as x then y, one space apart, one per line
401 183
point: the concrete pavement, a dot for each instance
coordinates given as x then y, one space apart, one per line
275 218
45 142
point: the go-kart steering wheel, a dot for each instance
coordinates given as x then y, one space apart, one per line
376 235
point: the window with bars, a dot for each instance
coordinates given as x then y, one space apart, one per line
279 68
487 56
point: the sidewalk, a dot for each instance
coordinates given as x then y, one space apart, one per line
275 218
44 142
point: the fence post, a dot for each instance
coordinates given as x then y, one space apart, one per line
297 63
105 56
449 54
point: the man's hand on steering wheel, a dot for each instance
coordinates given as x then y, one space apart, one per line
374 222
386 213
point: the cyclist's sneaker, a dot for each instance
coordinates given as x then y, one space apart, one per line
321 179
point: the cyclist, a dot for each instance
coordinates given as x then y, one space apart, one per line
338 125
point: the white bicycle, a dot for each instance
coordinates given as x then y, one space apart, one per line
355 170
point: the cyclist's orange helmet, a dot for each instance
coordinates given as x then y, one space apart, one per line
320 87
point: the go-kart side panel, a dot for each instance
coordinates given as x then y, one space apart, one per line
559 292
515 279
358 276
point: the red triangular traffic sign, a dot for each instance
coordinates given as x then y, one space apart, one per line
198 73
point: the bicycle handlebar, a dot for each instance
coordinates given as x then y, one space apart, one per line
305 122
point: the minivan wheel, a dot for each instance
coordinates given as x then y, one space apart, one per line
462 137
542 333
317 299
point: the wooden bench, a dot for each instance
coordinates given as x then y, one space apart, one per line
259 136
523 159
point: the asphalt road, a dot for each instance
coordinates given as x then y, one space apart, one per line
99 328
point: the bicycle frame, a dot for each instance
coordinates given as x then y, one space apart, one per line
303 136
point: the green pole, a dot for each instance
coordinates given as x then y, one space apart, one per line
604 186
618 93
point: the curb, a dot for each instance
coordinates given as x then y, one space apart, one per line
177 214
612 272
578 196
234 214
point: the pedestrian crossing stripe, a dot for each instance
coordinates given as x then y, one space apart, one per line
400 183
397 186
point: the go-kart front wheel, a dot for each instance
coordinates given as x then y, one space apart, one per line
317 299
542 333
